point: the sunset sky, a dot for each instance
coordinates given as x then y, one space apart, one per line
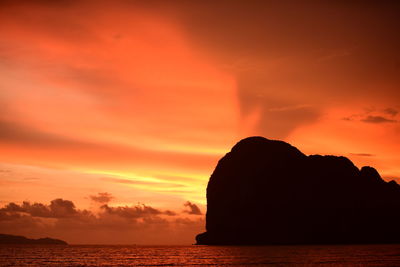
113 114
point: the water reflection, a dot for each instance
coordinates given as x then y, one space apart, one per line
77 255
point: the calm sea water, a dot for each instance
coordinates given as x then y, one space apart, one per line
77 255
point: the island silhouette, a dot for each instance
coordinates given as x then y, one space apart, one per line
268 192
21 240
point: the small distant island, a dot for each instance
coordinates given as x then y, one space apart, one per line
15 239
267 192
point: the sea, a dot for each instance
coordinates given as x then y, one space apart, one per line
122 255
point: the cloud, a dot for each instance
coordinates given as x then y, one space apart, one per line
377 119
169 213
58 208
102 197
22 141
135 212
391 111
347 119
321 71
60 218
12 132
274 118
373 115
193 208
137 182
362 154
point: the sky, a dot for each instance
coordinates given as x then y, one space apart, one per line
113 114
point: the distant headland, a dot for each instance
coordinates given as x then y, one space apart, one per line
15 239
268 192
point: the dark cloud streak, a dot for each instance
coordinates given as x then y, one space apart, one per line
377 119
391 111
362 154
102 198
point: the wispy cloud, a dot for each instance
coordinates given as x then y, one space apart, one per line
141 182
377 119
102 197
362 154
375 116
391 111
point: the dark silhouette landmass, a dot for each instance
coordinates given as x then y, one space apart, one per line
268 192
15 239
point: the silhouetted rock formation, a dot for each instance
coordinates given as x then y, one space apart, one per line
268 192
15 239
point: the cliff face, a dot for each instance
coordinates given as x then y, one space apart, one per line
268 192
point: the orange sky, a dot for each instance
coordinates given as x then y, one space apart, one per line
139 100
